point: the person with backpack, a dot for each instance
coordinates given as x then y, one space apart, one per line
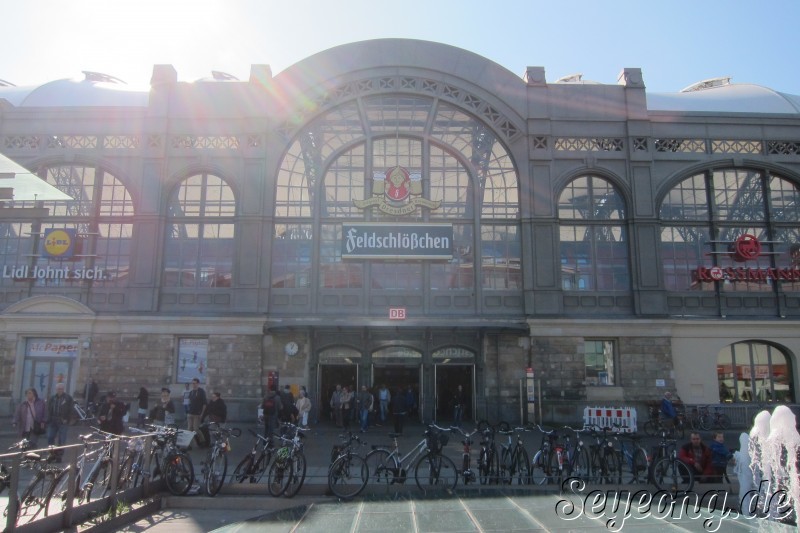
272 407
288 409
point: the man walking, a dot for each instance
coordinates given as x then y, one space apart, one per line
384 397
365 400
197 408
59 411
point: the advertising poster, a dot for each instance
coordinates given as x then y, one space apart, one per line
192 360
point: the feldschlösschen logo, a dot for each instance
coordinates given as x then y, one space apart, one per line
396 192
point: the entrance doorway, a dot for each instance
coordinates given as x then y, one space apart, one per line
448 378
400 378
329 376
43 374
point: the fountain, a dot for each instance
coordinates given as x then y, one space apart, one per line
771 488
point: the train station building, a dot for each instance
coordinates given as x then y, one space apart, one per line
405 213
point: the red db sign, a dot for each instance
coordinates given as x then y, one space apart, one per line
397 313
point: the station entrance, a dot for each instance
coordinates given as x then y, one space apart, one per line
330 375
400 379
448 378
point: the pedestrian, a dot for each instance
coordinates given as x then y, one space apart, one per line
336 405
91 392
411 401
111 414
347 404
186 392
164 411
59 411
458 406
142 410
365 401
668 411
287 403
721 455
197 408
303 406
271 408
697 456
398 410
30 417
216 411
384 397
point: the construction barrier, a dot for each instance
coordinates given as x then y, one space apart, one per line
611 417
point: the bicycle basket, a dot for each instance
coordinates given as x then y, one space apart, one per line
437 441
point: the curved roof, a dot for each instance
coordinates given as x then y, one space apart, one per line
733 98
76 93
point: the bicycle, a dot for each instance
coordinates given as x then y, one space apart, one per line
92 469
603 459
466 457
483 425
288 471
547 465
87 416
35 498
578 461
254 465
715 420
634 458
431 469
514 460
488 461
169 462
669 473
348 473
215 467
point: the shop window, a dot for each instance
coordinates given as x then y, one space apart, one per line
754 372
600 362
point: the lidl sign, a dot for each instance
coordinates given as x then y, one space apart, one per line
59 243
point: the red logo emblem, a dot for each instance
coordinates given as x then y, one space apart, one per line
398 182
746 248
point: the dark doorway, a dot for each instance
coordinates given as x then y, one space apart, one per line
397 377
448 378
329 377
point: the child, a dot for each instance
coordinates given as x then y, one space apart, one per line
720 456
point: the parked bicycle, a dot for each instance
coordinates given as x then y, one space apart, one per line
288 471
92 470
387 465
34 499
215 466
85 416
709 420
254 465
466 456
170 462
488 458
669 473
348 473
634 461
547 465
603 459
514 464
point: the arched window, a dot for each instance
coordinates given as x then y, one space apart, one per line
705 215
99 219
754 372
593 236
199 248
334 173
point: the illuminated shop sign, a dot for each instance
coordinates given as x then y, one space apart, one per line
397 241
746 248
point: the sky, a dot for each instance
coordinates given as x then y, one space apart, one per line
676 43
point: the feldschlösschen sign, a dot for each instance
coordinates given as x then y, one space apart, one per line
397 241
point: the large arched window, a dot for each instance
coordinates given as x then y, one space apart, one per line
460 171
705 215
593 237
199 248
99 218
754 372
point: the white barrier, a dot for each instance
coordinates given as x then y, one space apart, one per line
610 417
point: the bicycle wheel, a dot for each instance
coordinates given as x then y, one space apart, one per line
503 426
556 473
298 474
33 499
244 470
705 421
382 467
723 421
634 467
348 476
179 474
436 471
216 470
540 468
280 473
672 475
521 467
504 472
97 482
580 464
651 428
612 469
